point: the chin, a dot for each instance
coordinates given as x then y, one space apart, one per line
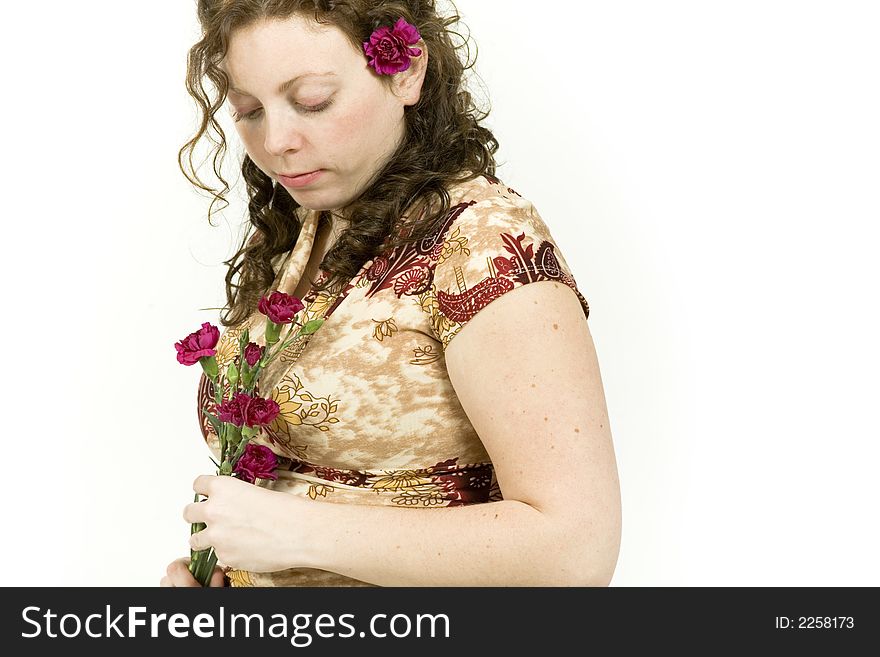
306 200
317 204
317 207
316 199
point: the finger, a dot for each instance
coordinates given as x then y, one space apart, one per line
218 578
165 581
180 576
194 512
174 565
203 483
200 540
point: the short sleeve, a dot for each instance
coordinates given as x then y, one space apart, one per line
492 247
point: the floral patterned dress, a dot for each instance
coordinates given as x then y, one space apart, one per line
368 413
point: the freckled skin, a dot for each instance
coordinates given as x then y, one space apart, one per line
555 327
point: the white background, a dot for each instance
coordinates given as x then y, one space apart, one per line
709 170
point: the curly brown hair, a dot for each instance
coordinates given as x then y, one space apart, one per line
407 199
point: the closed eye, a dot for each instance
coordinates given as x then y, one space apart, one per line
306 109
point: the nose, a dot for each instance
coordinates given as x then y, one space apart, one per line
284 132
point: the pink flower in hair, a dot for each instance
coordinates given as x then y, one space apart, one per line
388 50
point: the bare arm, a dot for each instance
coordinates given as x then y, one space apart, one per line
535 397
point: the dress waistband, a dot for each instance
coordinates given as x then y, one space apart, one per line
446 482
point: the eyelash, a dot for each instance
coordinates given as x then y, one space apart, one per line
251 116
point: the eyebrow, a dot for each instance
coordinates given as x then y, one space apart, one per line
286 85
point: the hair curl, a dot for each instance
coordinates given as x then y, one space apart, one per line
443 145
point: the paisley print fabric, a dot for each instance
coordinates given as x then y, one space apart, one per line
368 414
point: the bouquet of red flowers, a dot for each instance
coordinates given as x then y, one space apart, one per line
241 415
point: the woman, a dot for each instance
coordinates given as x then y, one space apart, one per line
413 451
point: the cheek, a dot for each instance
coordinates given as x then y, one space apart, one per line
362 126
250 148
252 143
348 130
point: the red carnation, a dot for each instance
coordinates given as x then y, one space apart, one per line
257 461
252 353
233 410
388 50
261 412
280 307
244 410
199 344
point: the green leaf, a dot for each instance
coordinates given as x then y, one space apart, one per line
215 422
311 326
233 434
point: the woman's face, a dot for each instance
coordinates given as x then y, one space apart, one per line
288 132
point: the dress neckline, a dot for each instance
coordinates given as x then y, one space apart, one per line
294 265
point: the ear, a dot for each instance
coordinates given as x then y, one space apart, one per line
408 83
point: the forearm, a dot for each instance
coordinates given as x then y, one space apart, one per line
507 543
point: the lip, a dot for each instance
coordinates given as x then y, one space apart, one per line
301 180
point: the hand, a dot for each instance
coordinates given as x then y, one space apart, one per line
251 528
177 574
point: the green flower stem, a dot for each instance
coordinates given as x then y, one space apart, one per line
218 389
201 565
239 451
255 374
224 442
269 354
201 562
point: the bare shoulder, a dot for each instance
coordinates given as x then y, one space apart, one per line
527 375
